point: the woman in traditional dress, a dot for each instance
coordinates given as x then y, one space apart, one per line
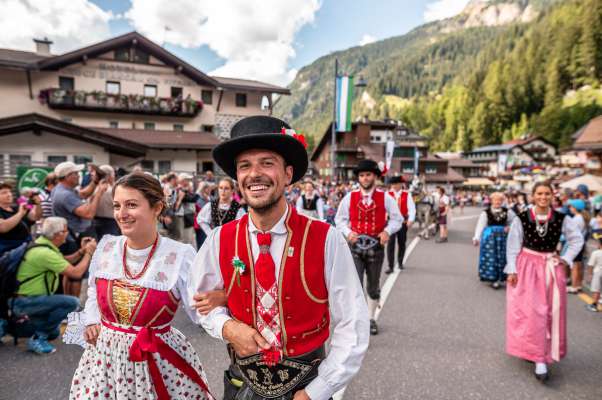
490 234
536 294
310 203
222 210
136 283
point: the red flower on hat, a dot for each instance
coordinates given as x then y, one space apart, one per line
299 136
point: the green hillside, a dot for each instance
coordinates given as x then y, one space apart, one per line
469 86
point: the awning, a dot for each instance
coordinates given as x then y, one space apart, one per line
593 182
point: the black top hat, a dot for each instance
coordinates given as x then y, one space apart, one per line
261 132
367 165
396 179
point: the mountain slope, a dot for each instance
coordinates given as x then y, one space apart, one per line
424 60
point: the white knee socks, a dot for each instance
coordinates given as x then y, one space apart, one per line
372 306
541 368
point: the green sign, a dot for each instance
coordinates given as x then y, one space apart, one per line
29 177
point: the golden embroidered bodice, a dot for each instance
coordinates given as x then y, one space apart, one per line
125 298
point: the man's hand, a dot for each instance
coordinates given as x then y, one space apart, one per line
301 395
409 224
22 211
207 301
102 187
90 247
512 280
91 333
384 237
245 340
352 238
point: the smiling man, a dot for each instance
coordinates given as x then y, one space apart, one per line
289 279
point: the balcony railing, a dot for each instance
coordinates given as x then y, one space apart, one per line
119 103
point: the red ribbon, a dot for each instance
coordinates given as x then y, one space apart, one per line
147 343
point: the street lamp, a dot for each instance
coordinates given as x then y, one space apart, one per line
359 84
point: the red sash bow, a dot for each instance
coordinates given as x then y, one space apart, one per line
146 343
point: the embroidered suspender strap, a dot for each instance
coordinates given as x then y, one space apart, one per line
146 343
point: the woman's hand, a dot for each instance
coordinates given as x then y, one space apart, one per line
475 242
512 280
91 333
207 301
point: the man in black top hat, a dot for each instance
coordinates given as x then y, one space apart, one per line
407 208
284 275
362 217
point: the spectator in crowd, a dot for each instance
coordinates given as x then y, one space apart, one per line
49 183
104 221
79 214
210 178
203 197
15 222
185 209
444 207
39 276
595 262
170 188
581 221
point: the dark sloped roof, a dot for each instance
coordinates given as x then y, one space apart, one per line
41 123
165 139
590 135
250 85
18 58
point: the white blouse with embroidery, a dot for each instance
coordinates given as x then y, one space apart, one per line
168 270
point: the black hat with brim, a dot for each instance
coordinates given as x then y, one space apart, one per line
396 179
261 132
367 166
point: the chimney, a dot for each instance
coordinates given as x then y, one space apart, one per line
43 46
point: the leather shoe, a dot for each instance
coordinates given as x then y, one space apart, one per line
373 327
389 271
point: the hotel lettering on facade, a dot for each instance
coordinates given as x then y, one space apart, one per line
125 102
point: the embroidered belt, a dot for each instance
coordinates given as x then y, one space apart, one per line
551 285
146 343
282 378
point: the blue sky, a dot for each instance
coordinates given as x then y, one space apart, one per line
268 40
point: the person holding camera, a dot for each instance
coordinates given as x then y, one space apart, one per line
15 223
39 276
104 221
79 214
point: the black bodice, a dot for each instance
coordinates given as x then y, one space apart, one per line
217 216
310 205
497 219
531 238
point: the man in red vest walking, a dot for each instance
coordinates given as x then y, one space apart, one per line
362 218
406 205
285 276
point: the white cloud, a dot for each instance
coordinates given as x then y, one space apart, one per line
68 23
442 9
255 38
367 39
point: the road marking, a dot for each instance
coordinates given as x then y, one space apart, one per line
386 289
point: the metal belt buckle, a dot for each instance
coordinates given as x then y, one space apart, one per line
272 382
365 242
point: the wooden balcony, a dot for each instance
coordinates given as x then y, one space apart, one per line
119 103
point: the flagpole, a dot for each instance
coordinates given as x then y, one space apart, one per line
334 119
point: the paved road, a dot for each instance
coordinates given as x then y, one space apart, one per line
442 337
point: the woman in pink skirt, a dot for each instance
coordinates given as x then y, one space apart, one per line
536 293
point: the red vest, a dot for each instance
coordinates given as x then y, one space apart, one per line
402 202
367 220
302 291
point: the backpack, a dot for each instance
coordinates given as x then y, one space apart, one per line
9 266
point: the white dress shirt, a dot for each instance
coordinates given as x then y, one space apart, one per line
482 223
319 206
342 221
410 203
204 217
573 237
348 310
